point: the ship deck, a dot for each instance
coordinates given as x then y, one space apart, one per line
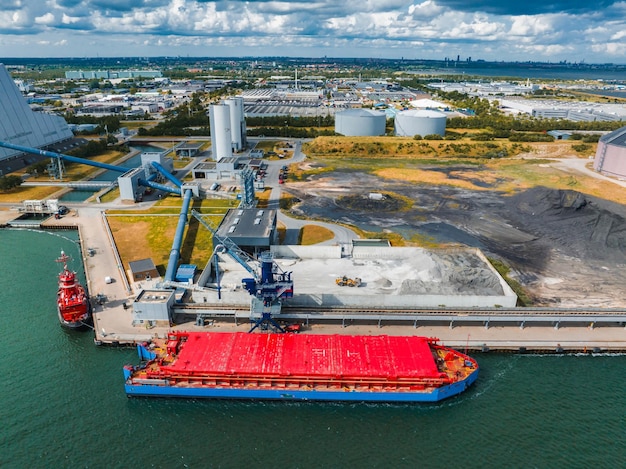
332 356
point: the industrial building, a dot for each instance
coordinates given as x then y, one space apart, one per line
253 230
360 123
19 125
187 150
111 74
555 109
129 182
143 269
611 154
420 122
153 307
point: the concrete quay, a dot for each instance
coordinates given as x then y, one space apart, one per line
113 322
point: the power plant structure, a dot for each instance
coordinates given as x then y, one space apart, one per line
228 128
20 125
360 123
610 156
237 123
221 140
420 122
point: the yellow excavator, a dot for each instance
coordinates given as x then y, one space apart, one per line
346 281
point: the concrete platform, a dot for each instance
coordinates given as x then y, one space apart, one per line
390 277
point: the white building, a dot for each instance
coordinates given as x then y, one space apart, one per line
20 125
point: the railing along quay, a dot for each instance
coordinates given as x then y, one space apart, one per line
486 317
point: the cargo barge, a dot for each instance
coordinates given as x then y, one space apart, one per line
299 367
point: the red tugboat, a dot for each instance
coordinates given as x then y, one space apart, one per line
72 301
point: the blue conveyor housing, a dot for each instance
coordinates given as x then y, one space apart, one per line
182 220
172 263
71 159
161 187
166 173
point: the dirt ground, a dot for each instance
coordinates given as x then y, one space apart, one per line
567 249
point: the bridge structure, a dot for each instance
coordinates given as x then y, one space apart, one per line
86 185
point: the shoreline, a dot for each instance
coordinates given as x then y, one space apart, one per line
113 322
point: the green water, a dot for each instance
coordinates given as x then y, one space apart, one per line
63 404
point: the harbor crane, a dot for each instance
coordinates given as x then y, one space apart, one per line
268 286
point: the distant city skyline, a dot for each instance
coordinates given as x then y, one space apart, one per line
492 30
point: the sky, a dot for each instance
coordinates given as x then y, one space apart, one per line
493 30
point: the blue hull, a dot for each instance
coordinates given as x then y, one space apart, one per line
439 394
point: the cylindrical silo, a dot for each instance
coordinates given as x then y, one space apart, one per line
237 122
360 123
219 118
420 122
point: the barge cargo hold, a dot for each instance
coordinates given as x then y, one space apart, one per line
299 367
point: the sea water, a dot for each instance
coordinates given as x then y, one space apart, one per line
63 403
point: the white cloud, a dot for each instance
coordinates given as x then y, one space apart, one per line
46 19
66 19
529 26
425 10
350 27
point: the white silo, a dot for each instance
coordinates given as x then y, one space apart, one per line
420 122
237 122
219 118
360 122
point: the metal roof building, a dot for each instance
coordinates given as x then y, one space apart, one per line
20 125
611 154
143 269
252 229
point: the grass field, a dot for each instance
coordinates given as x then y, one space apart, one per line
151 235
529 168
313 234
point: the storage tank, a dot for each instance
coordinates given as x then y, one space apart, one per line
420 122
237 123
360 123
219 118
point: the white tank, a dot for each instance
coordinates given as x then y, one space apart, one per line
360 123
420 122
237 122
219 118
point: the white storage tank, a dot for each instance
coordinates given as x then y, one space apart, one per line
420 122
237 122
360 123
219 118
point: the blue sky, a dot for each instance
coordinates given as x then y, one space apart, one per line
551 30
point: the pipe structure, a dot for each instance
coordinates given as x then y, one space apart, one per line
72 159
166 173
156 185
172 263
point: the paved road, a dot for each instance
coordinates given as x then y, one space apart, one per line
293 226
580 165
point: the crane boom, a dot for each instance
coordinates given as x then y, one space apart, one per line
267 288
